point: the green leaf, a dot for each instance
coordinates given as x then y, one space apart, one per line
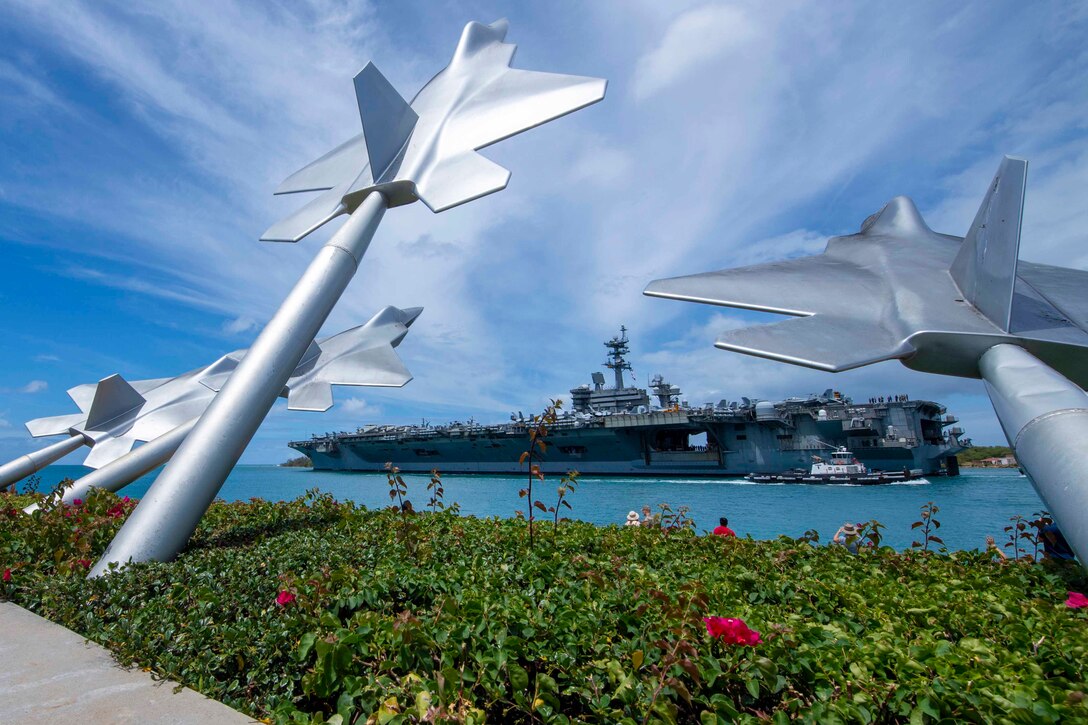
545 683
519 678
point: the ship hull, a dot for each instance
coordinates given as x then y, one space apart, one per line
628 445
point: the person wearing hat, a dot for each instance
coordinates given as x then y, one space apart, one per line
848 536
648 518
632 519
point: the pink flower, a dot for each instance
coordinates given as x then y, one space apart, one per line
732 631
77 502
7 575
285 597
1076 600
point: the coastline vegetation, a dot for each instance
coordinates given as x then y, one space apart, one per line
975 454
315 610
298 462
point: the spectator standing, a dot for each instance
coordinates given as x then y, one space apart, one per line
1054 544
848 536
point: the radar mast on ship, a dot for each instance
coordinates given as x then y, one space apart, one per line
617 348
621 398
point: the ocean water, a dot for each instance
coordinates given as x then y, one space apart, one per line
972 505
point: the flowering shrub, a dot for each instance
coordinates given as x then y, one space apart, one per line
1076 600
606 625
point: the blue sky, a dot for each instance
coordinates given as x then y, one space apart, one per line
139 145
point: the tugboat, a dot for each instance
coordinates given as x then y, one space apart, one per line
842 467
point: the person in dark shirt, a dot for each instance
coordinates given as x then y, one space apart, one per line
1054 544
722 529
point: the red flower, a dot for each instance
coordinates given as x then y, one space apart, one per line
732 631
7 575
77 502
285 597
1076 600
85 563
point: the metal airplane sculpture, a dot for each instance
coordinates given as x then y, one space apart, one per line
118 414
425 150
941 304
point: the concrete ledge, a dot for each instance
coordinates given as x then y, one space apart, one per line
53 675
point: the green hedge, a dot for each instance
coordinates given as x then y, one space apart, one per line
436 617
977 453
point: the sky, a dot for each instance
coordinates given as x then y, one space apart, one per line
140 144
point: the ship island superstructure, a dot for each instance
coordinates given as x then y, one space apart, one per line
621 431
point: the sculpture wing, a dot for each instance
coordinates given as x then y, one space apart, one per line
1062 287
54 425
375 367
315 213
82 395
823 342
460 179
108 450
782 287
343 162
518 100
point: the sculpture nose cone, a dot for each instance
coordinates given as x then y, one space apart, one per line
899 217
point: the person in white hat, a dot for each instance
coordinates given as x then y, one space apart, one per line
849 536
632 519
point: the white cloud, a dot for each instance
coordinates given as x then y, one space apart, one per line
357 406
46 358
693 39
602 165
34 386
798 243
239 325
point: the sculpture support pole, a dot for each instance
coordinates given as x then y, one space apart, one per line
23 466
1045 418
169 513
119 473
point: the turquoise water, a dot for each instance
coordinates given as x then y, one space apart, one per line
975 504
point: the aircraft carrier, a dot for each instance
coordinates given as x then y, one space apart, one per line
622 431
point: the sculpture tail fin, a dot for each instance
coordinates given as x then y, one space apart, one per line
113 398
387 119
985 268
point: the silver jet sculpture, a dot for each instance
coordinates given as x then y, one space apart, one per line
424 150
117 414
941 304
